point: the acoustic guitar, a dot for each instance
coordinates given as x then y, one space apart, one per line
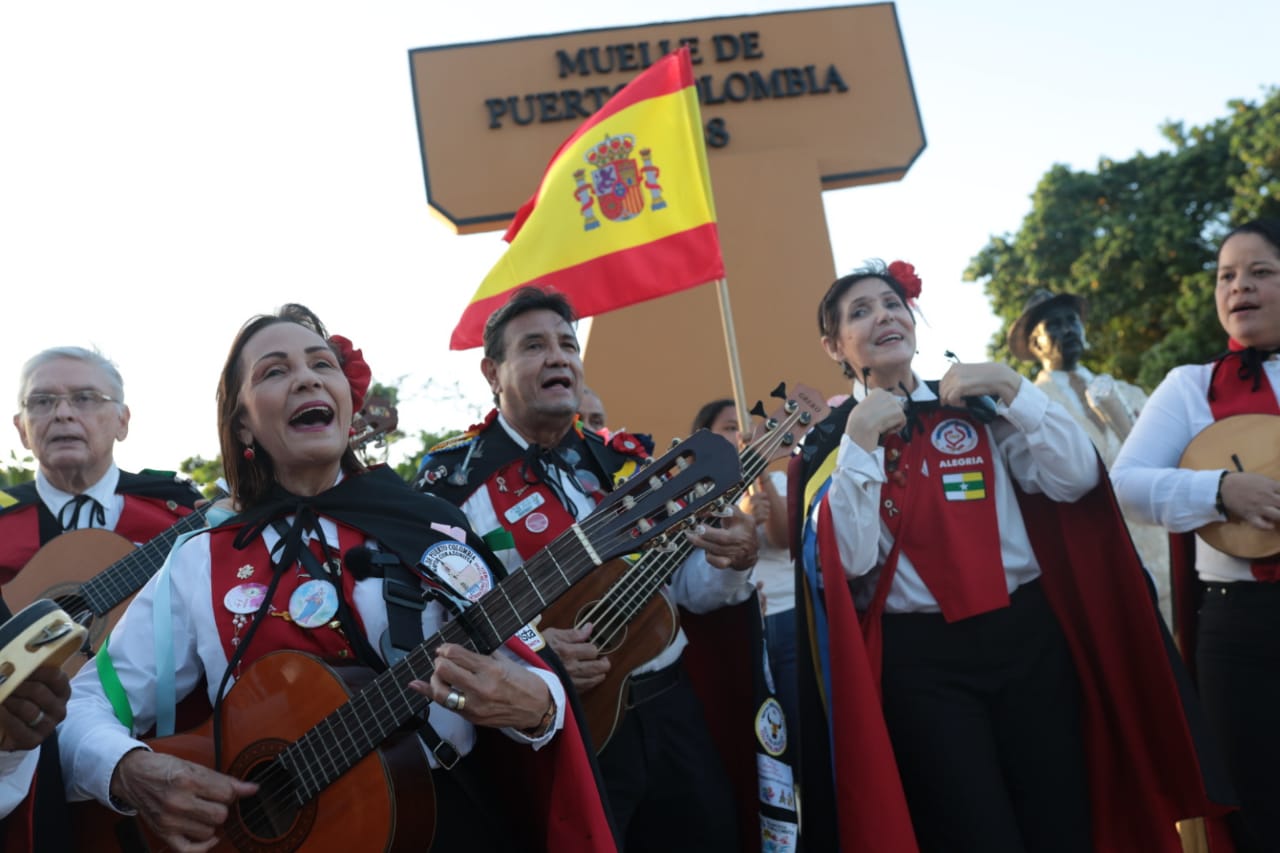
1246 443
633 621
335 766
93 574
38 635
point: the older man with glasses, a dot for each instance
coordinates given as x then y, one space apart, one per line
71 412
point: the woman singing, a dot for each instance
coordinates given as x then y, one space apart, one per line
279 576
1237 651
965 528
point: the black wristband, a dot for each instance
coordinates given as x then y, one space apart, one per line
1217 501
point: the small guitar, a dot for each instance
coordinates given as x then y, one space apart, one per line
373 423
633 621
1247 443
39 635
324 754
94 574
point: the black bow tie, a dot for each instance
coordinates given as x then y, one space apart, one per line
1250 368
69 515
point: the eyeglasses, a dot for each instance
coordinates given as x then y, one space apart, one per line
85 400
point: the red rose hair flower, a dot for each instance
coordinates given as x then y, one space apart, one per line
905 274
355 368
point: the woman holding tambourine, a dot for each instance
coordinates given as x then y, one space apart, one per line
1237 651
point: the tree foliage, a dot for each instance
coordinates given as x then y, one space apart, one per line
1138 239
17 471
204 473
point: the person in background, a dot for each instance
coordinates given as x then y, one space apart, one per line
1236 646
71 413
591 411
765 501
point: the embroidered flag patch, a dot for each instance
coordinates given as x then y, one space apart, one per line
965 486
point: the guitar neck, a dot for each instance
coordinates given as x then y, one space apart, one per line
637 586
386 704
122 579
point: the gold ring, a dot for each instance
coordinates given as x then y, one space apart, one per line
455 701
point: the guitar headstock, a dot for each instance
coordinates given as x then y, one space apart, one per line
685 482
374 422
776 434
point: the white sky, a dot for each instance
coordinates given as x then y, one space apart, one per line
169 169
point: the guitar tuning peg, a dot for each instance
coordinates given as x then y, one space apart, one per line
675 441
758 409
780 392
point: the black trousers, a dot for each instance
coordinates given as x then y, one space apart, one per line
984 715
1238 669
667 787
464 823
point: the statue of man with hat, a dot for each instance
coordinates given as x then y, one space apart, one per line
1051 331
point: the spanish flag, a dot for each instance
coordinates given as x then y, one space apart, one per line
624 212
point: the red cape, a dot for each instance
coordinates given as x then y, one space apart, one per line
1148 761
557 785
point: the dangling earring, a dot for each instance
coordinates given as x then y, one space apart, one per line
248 453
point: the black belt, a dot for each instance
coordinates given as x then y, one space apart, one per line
650 685
1247 593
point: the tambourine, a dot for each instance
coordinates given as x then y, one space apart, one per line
1245 443
40 634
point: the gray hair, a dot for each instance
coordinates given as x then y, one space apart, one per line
93 357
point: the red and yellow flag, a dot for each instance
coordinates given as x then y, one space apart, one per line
624 212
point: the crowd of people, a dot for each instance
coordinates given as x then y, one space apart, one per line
947 635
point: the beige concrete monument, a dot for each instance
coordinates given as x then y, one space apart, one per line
793 103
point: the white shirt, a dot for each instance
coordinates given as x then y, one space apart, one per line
696 585
1034 440
103 491
19 767
773 564
92 741
16 771
1149 484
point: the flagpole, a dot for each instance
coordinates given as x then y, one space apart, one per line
735 364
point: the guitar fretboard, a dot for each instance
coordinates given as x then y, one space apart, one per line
386 704
129 574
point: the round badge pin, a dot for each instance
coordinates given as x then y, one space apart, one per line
245 597
954 436
536 522
589 481
313 603
771 727
458 565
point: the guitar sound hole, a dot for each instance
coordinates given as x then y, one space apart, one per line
269 813
75 606
272 815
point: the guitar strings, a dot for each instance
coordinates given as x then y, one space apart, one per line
635 589
279 787
282 787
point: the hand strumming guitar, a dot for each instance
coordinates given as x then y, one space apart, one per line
183 803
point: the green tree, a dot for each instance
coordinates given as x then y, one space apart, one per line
204 473
1137 240
17 470
408 469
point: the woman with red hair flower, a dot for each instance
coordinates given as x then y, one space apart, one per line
945 568
338 562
